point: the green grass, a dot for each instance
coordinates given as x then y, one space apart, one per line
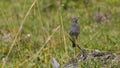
47 23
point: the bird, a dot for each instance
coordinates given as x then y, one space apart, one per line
74 31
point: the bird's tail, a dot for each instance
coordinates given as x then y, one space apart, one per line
73 43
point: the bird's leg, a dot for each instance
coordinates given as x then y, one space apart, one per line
74 42
74 53
75 47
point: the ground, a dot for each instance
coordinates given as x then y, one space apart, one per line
32 32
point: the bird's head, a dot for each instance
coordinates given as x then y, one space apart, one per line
74 19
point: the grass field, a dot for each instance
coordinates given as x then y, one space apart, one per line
32 32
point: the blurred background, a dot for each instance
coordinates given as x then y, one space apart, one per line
32 32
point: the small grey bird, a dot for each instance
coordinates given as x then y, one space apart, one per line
74 31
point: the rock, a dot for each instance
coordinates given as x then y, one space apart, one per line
107 57
97 53
54 63
73 63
